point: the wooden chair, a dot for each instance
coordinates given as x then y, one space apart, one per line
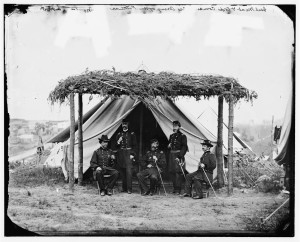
105 179
205 189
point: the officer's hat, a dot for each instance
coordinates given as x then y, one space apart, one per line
176 122
207 143
103 138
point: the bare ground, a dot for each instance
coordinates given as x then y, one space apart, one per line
53 209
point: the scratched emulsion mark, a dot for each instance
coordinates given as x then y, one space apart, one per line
10 9
146 9
64 8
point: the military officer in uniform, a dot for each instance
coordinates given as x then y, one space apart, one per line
154 161
127 149
178 147
101 163
208 164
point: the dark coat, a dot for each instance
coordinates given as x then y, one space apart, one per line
178 142
148 159
127 147
101 157
209 161
128 141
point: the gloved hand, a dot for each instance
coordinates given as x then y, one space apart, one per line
98 169
149 166
201 165
131 157
119 140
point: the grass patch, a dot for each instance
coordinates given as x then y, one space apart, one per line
256 223
33 176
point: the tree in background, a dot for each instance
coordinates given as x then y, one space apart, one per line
39 127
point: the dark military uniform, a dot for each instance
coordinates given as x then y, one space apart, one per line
102 158
209 161
127 147
179 147
152 172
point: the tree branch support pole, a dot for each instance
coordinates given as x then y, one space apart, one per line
219 151
230 147
80 141
72 142
141 136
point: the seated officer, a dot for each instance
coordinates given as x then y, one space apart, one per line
155 161
101 163
205 170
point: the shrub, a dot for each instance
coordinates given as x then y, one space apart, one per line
246 173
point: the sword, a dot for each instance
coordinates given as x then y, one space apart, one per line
160 177
181 169
209 181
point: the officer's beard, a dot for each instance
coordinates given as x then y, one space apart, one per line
153 148
175 130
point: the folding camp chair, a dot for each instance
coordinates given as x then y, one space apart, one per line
205 189
105 179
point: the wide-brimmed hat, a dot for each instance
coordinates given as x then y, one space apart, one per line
176 122
103 138
207 143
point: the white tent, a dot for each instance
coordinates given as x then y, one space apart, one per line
56 158
286 143
157 123
209 117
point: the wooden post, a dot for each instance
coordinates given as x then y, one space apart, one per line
80 142
219 151
72 142
230 147
141 136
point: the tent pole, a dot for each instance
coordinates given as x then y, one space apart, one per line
219 151
230 147
72 141
80 142
141 136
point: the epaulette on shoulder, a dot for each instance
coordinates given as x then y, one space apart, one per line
132 132
148 151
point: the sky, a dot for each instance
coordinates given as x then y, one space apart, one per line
252 44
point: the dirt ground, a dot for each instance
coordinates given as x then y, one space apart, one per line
55 210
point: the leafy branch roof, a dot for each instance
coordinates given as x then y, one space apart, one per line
146 86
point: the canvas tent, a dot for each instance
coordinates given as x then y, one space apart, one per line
209 117
146 88
56 158
287 142
156 120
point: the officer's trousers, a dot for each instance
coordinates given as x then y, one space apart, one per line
150 173
114 174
